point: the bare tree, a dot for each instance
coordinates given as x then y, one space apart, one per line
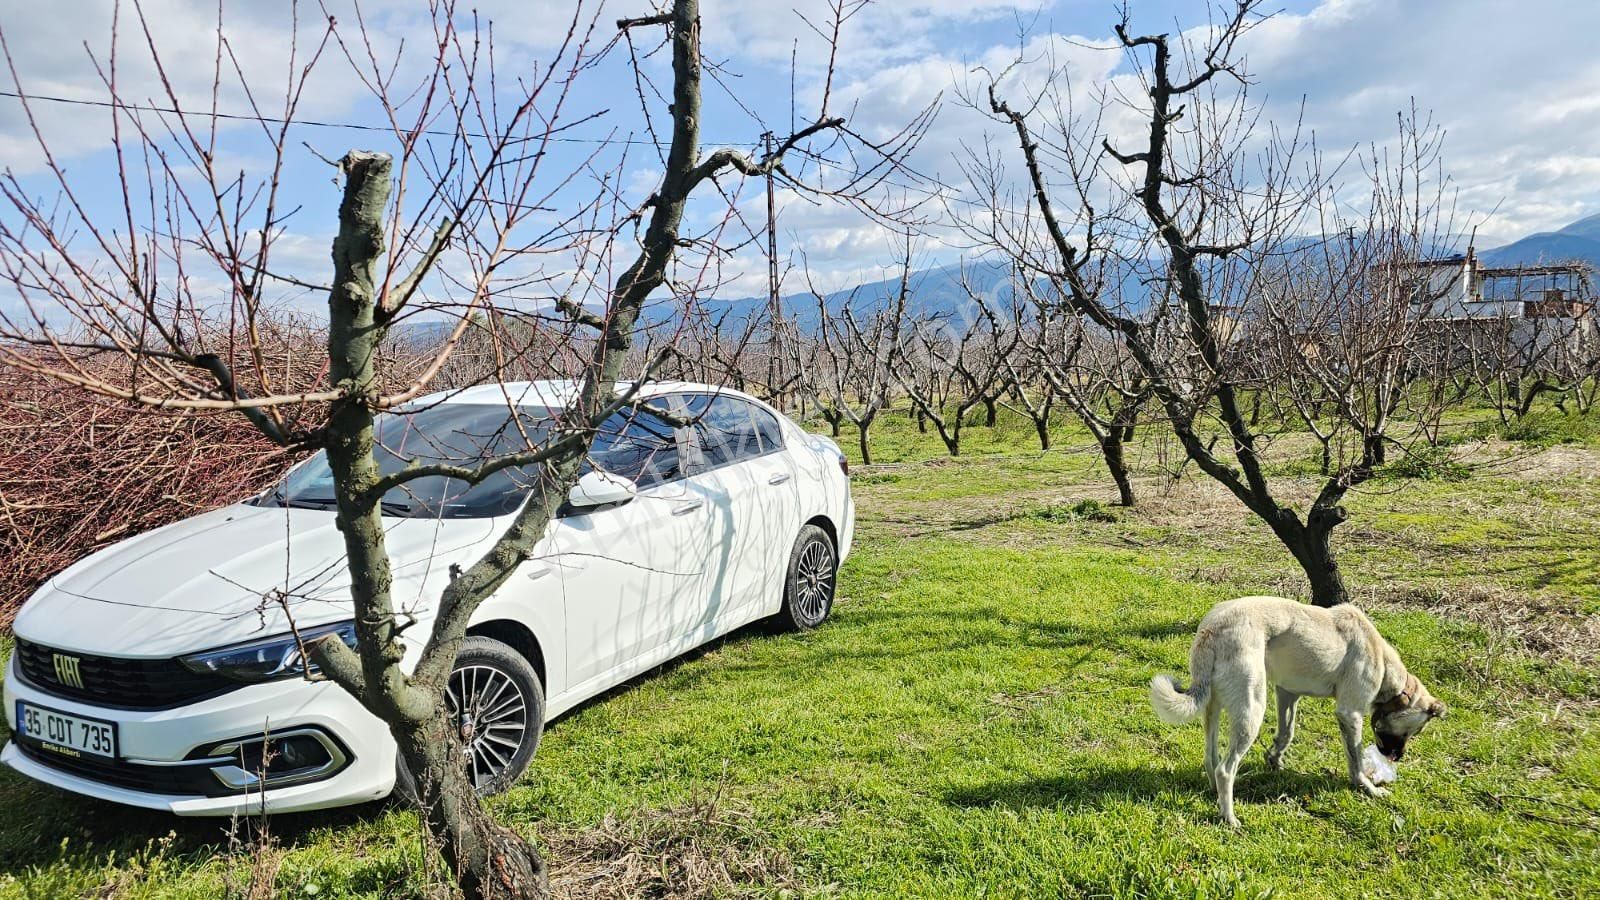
1063 357
1083 362
1031 393
1513 359
1342 322
948 362
160 305
714 348
1024 380
1099 382
1204 208
847 369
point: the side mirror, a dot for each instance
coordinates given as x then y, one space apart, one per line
596 488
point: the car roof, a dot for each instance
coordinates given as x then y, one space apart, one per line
558 394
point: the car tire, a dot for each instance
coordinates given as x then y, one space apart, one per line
809 581
503 684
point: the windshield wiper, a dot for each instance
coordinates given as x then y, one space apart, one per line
307 502
389 507
396 508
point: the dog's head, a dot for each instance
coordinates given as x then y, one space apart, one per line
1399 718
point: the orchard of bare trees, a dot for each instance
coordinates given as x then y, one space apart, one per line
1220 281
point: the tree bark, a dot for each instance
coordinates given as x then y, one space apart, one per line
1111 449
865 442
1042 426
488 860
950 432
834 418
1312 547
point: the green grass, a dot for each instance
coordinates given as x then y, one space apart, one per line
973 722
1546 428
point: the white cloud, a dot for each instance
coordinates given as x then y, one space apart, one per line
65 49
1513 84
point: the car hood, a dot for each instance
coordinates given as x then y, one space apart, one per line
216 579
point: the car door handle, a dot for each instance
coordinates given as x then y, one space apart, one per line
538 571
779 478
683 509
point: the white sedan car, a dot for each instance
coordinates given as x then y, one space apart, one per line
159 671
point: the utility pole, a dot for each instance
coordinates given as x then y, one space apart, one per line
774 307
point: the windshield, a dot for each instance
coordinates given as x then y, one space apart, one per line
465 434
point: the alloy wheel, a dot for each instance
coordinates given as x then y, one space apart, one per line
491 718
814 580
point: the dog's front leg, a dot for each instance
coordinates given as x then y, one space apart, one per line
1350 728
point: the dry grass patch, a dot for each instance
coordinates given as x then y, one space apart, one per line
1515 460
702 849
1548 627
1021 703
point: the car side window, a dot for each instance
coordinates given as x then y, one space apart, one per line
639 446
730 429
768 429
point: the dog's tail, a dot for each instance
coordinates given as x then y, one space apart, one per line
1172 703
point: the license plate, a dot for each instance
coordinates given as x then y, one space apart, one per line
67 734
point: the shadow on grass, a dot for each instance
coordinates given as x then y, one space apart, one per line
863 637
760 629
43 824
40 824
1098 787
929 527
901 634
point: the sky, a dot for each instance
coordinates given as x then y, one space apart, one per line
1514 85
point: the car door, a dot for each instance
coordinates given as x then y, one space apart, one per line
632 575
744 468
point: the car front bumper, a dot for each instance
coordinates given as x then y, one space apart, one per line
163 744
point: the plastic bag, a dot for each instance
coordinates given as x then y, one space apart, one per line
1377 766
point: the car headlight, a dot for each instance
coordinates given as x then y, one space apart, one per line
268 659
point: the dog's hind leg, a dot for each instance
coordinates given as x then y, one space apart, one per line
1246 708
1287 704
1213 714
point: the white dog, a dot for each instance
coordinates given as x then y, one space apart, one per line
1304 651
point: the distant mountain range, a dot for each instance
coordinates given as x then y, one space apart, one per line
932 290
940 289
1578 241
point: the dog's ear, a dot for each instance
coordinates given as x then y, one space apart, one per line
1436 709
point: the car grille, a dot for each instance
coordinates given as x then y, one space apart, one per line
117 682
183 781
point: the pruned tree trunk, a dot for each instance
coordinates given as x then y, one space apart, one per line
1311 545
488 860
833 417
1111 449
